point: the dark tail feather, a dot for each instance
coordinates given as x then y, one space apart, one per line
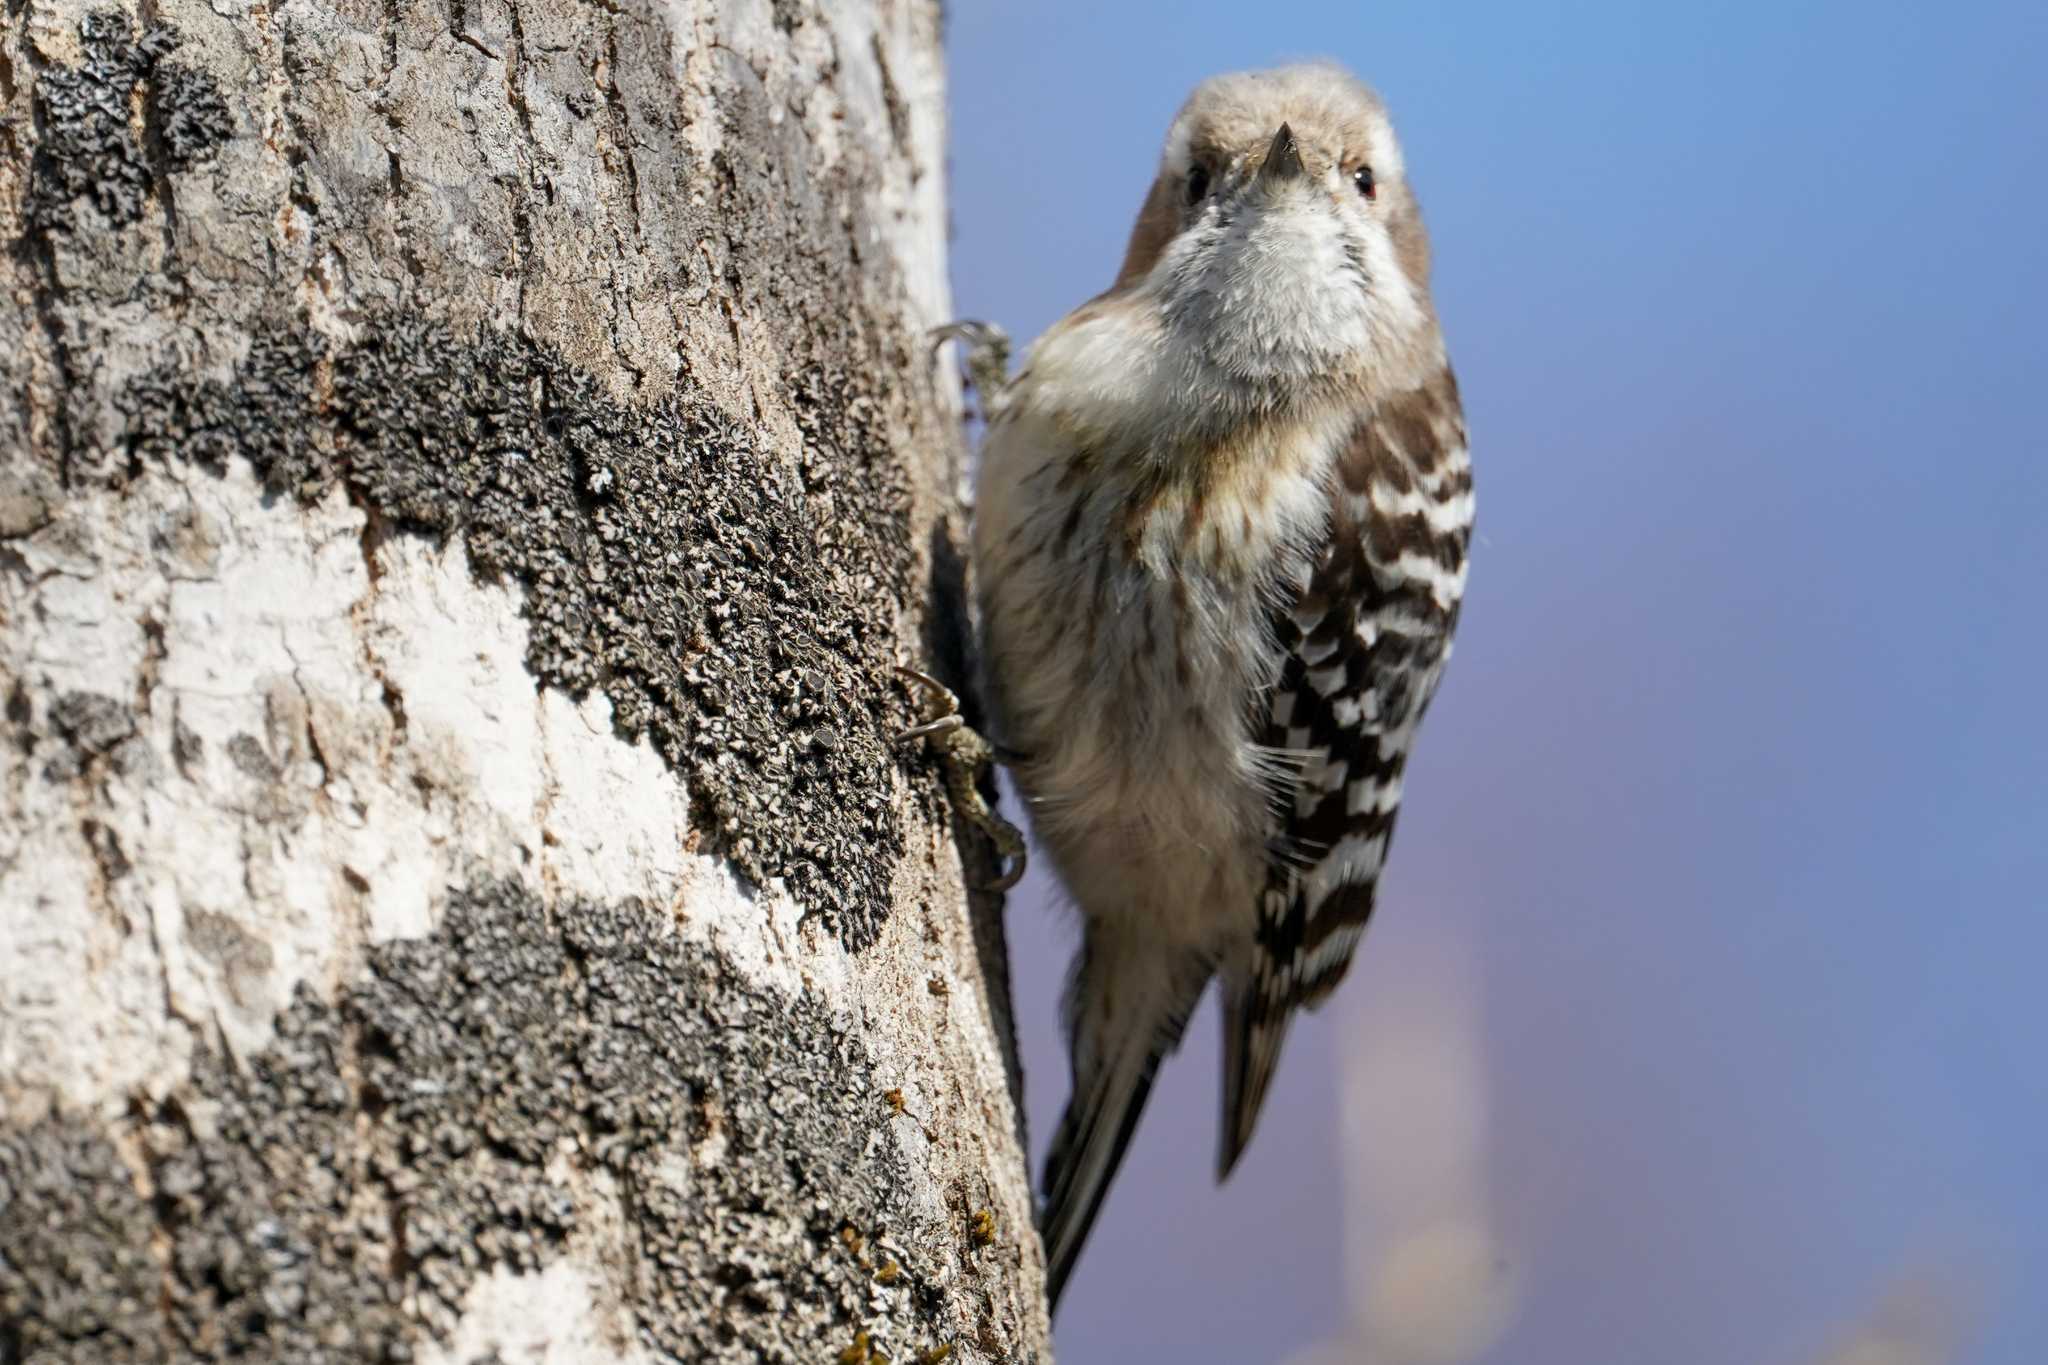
1086 1152
1253 1031
1115 1057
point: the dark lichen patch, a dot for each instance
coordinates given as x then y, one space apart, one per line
737 606
297 1216
93 722
88 151
334 1197
86 725
186 113
78 1277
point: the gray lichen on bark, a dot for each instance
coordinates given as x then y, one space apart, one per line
464 473
554 1080
746 627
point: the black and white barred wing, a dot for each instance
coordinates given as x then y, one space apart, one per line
1366 638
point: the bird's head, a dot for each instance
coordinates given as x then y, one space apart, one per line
1280 241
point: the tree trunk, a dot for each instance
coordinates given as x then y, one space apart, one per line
465 472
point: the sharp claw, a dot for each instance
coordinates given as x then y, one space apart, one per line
972 332
939 336
930 684
942 710
938 726
1012 874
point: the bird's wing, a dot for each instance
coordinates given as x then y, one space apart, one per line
1366 635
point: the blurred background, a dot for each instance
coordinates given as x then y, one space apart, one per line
1702 1020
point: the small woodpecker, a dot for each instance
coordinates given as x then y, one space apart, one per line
1219 548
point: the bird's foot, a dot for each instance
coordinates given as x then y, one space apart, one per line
965 756
987 360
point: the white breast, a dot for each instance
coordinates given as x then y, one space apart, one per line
1126 652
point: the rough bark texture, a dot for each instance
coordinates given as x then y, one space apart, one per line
465 471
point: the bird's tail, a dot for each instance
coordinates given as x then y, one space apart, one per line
1126 1007
1254 1027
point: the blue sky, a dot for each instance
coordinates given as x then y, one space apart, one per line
1732 819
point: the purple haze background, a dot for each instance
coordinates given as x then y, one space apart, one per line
1735 802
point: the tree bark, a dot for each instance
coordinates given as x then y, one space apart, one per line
465 472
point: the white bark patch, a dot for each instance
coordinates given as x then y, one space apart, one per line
555 1317
301 756
173 878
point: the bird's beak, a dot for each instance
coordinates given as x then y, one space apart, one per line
1283 159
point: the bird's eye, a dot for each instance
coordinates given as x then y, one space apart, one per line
1367 186
1198 184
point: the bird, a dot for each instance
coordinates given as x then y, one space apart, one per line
1219 542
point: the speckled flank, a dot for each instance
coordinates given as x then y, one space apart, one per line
335 1199
737 610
